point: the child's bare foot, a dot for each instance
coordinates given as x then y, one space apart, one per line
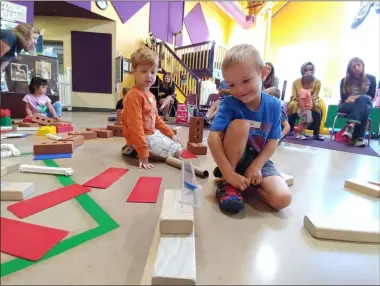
178 154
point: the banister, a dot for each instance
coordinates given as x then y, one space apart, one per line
194 45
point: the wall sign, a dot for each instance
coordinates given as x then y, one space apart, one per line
6 25
13 12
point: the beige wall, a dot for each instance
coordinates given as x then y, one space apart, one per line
59 29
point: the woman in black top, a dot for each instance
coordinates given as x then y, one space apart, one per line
166 95
24 36
357 91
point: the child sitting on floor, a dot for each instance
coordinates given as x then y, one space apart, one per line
245 133
36 102
140 116
119 104
305 105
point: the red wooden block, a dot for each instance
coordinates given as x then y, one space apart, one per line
28 119
53 147
43 120
64 128
76 139
197 148
28 124
88 135
117 130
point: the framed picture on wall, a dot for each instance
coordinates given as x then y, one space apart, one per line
127 66
43 69
19 72
119 69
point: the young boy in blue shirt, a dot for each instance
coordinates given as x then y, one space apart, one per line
245 133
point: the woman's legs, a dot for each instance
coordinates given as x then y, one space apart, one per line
317 118
292 122
359 131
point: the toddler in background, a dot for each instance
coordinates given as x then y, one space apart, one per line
145 132
119 104
305 104
36 102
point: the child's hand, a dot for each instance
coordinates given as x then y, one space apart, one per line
144 163
175 139
237 181
254 175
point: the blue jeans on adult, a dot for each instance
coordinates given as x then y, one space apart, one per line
58 109
358 113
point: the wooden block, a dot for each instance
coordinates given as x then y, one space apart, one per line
175 261
117 130
101 132
43 120
196 130
15 191
28 124
197 148
63 123
363 187
8 167
328 227
288 179
88 135
176 218
76 139
53 147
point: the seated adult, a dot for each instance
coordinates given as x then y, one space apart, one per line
270 80
223 91
357 91
23 36
166 94
293 105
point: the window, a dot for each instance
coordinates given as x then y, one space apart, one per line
57 48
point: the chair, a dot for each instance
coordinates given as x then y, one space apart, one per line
203 109
344 115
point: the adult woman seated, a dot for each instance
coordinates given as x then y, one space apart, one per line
357 91
23 36
270 80
293 105
166 95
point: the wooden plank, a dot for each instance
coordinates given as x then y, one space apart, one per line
363 187
328 227
8 167
176 218
175 261
11 191
149 265
288 179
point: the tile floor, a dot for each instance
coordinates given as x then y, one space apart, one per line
258 246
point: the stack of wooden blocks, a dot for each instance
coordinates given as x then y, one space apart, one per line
194 144
117 129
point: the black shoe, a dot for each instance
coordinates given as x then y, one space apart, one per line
229 198
318 138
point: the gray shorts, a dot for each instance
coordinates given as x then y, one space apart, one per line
307 118
249 155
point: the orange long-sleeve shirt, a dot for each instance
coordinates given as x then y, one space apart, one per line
140 118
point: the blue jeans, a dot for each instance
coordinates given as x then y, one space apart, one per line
58 109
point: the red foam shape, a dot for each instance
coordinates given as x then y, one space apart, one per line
42 202
28 119
64 128
146 190
106 178
26 240
186 154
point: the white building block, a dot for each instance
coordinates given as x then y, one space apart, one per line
13 149
5 128
14 135
11 191
8 167
53 137
46 170
5 153
32 128
328 227
175 261
288 179
363 187
176 218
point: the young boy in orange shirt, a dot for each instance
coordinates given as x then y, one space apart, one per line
145 132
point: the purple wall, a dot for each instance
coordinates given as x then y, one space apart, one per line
91 62
29 10
196 25
83 4
165 19
127 9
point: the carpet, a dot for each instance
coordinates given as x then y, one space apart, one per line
327 144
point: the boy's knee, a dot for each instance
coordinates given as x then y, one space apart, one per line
238 128
281 200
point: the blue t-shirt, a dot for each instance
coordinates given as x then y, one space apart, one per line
9 37
265 123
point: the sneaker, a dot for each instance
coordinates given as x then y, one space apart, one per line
318 138
301 136
348 132
359 143
229 198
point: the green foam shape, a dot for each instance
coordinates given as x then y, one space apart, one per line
104 221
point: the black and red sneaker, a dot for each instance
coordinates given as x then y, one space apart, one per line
229 198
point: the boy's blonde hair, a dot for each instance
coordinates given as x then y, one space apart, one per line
143 56
243 53
24 33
